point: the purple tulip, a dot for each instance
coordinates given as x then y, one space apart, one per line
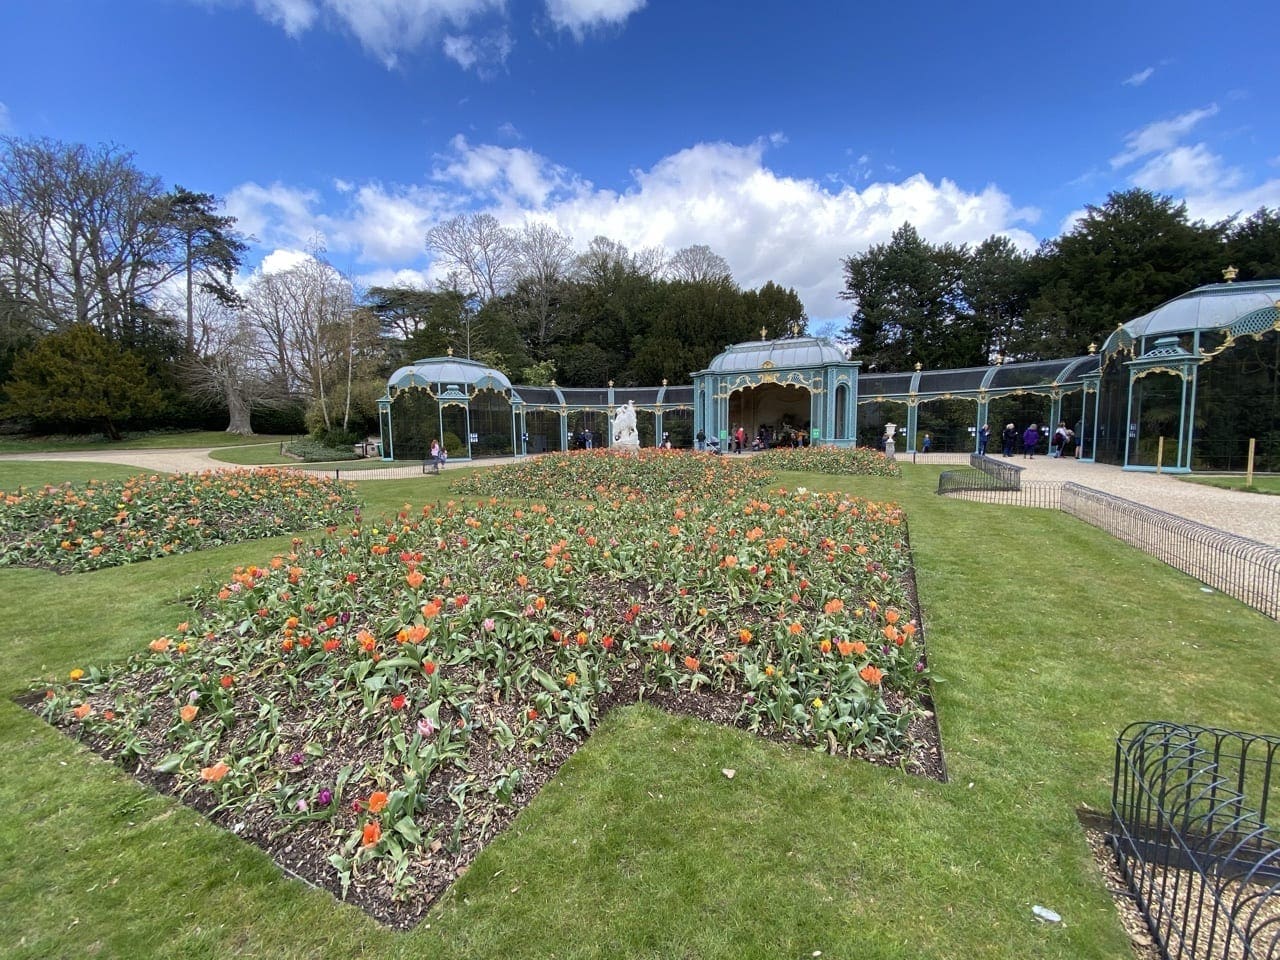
295 758
324 797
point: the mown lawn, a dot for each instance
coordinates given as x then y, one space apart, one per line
1049 635
141 441
1268 484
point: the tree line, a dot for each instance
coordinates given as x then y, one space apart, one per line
120 303
947 306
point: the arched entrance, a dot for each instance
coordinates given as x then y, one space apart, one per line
773 410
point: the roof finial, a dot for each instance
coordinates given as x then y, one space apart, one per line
449 351
1093 348
919 366
664 381
1230 273
610 384
764 333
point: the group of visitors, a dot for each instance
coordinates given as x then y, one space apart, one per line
1062 441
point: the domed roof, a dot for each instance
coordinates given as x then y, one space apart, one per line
1211 307
439 373
764 354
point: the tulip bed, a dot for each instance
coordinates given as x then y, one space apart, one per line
106 524
851 461
372 708
591 474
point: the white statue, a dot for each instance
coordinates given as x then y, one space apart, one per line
889 430
624 426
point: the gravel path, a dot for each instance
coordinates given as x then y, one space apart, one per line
1246 514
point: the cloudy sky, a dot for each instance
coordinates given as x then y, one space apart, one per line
783 135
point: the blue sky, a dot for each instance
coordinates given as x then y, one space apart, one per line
783 135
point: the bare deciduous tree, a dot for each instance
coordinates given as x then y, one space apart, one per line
544 260
227 364
698 264
479 248
84 234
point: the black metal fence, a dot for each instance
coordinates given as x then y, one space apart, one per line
1188 828
1243 568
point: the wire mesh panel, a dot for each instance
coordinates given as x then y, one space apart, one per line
1188 827
1243 568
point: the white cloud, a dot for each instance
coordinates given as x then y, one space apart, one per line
1193 169
282 259
793 231
768 227
580 16
510 177
295 17
485 53
1191 172
1215 204
510 131
1160 135
385 28
1139 78
378 225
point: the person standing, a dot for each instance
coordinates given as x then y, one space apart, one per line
701 439
927 444
739 437
984 437
1029 440
1008 438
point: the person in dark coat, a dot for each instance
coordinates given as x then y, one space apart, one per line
1008 438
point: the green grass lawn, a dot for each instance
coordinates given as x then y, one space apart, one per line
1049 635
142 441
1268 484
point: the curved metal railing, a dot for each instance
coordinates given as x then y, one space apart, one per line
1189 809
1235 565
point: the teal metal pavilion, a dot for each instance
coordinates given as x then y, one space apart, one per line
1180 388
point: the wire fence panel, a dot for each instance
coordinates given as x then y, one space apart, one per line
1189 831
1243 568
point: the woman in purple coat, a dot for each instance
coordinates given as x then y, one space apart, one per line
1029 440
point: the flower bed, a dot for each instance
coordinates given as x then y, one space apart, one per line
105 524
612 474
373 708
860 461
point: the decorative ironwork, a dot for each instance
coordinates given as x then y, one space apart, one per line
1189 831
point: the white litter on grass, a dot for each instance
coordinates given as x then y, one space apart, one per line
1045 914
1206 590
729 774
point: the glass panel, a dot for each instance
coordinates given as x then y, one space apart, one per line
454 423
872 418
490 425
950 425
842 418
1155 414
1113 404
1021 410
678 425
588 429
543 427
415 419
1238 398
